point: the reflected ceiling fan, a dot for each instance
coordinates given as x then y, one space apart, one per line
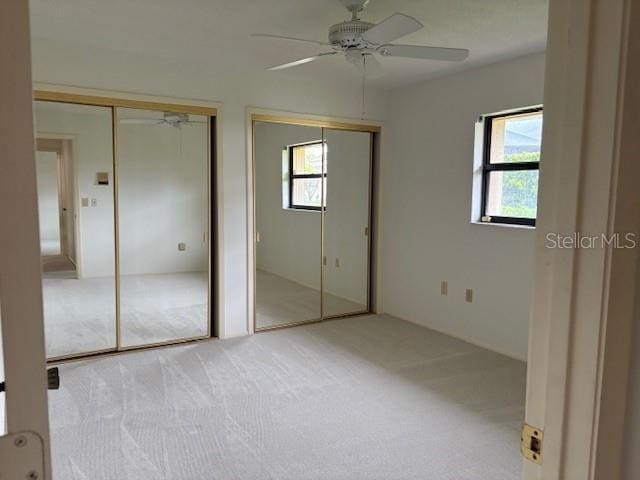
170 119
361 41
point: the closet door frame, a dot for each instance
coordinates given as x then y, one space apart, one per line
324 123
128 101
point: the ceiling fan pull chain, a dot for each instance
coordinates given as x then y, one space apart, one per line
364 82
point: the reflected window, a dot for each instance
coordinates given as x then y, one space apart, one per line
307 181
510 168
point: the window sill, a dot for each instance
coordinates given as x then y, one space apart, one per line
303 210
503 225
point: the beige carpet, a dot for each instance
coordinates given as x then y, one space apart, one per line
79 314
280 301
357 399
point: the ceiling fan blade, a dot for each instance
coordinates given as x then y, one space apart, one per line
280 37
301 61
367 62
396 26
424 53
142 121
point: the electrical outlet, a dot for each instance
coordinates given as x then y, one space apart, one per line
337 262
468 295
182 246
94 202
444 288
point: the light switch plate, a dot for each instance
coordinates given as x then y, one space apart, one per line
444 288
468 295
102 178
84 201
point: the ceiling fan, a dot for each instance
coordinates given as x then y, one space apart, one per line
171 119
360 41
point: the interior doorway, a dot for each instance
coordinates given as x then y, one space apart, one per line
54 171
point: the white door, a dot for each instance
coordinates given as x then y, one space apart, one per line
24 450
582 309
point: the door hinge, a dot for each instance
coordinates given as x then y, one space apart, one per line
22 456
531 443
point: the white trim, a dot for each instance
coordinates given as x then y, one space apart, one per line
583 300
20 280
509 111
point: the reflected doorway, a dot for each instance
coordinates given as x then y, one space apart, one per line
56 218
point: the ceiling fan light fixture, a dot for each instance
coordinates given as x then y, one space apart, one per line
356 38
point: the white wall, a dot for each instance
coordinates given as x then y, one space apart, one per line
86 66
162 196
90 128
426 204
290 239
48 208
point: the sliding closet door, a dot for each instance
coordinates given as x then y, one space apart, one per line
289 185
162 167
74 161
346 222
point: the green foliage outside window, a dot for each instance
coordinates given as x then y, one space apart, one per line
520 188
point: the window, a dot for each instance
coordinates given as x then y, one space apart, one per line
511 160
307 181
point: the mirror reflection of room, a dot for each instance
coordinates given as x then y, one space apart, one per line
312 197
346 223
288 223
163 212
161 292
73 142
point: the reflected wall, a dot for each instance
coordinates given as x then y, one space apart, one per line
163 206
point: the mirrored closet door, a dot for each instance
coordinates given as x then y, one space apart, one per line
312 194
74 149
288 173
163 224
345 286
125 222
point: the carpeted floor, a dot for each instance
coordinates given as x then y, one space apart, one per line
280 301
79 315
356 399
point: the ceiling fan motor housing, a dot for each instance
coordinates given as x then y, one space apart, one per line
349 34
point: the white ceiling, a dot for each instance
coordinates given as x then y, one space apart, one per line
215 33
